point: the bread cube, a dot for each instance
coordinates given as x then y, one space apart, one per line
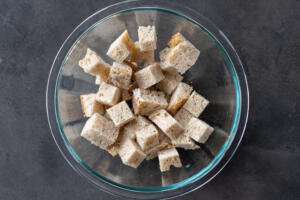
195 104
130 153
167 158
184 141
100 131
98 80
147 38
120 114
93 64
166 123
176 39
147 137
146 101
135 125
108 94
163 54
142 56
170 82
181 57
120 75
149 76
164 143
198 130
120 49
179 97
183 117
89 105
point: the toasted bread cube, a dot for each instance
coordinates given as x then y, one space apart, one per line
195 104
93 64
108 94
126 95
90 105
98 80
164 143
120 49
130 153
181 57
198 130
166 123
176 39
135 125
179 97
184 141
146 101
142 56
100 131
170 82
147 137
167 158
183 117
147 38
120 75
120 114
149 76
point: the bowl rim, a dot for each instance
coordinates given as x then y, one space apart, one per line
159 192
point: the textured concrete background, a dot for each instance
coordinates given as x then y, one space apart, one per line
266 35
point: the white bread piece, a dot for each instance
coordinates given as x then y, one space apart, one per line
120 49
147 38
93 64
181 57
135 125
198 130
179 97
142 56
170 82
89 105
98 80
100 131
120 75
166 123
183 117
196 104
164 143
145 102
126 95
184 141
164 65
149 76
176 39
167 158
108 94
130 153
120 114
147 137
163 54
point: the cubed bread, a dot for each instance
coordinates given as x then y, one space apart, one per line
184 141
114 148
147 38
135 125
130 153
108 94
167 158
149 76
120 114
198 130
93 64
166 123
147 101
164 143
142 56
98 80
179 97
147 137
89 105
181 57
176 39
126 95
120 49
163 54
120 75
183 117
100 131
170 82
195 104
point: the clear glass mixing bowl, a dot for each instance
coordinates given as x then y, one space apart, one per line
218 75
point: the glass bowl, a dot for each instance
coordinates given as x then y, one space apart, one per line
218 75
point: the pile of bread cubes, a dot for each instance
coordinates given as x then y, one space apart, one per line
165 110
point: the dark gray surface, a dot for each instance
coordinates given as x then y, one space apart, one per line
266 35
